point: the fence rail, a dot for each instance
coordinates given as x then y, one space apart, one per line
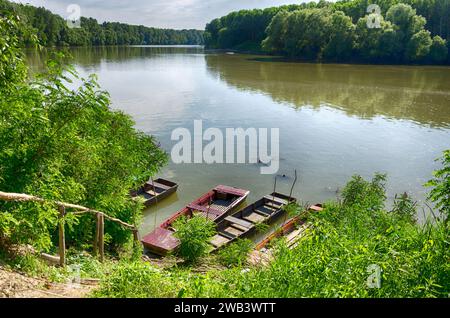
98 245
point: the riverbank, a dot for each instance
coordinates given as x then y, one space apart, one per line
354 248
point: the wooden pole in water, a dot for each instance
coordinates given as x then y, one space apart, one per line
101 236
62 239
274 188
293 184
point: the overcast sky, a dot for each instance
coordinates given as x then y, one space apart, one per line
177 14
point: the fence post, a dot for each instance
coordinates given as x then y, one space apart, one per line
96 234
62 239
101 236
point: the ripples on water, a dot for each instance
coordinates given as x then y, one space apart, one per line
334 120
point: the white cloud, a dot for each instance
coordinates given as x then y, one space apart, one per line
177 14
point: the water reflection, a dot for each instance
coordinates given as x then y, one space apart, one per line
420 94
338 120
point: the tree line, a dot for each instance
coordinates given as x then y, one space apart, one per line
407 31
52 30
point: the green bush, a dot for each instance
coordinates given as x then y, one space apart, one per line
67 145
440 192
194 234
236 253
136 280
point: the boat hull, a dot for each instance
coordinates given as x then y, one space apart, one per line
211 205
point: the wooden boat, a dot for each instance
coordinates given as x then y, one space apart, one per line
214 205
155 191
243 223
292 230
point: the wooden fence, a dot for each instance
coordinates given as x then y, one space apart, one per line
99 243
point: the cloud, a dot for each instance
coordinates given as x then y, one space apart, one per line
177 14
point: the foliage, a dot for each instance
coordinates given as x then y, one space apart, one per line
345 240
340 32
236 253
52 30
440 184
405 207
68 145
137 280
193 234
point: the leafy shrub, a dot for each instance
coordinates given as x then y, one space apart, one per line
236 253
194 234
137 280
440 192
405 207
67 145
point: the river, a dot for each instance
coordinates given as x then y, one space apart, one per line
334 120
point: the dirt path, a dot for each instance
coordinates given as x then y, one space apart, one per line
15 285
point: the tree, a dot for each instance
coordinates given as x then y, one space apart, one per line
438 50
342 38
66 145
419 46
276 32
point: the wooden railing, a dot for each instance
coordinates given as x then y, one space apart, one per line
99 243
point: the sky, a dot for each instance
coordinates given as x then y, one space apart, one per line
175 14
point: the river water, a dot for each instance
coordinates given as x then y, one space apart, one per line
334 120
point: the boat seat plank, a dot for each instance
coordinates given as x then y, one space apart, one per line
276 199
255 217
218 240
151 192
264 211
271 205
233 231
241 222
205 209
228 235
160 185
239 227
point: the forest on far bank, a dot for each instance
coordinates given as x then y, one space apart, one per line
393 31
52 30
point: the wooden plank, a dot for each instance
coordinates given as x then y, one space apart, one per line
239 227
97 231
205 209
101 237
276 199
62 238
233 231
255 217
261 212
228 235
160 185
241 222
218 240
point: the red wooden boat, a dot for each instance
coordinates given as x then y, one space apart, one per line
215 205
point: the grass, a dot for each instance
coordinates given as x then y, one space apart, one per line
346 240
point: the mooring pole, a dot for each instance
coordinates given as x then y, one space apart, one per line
274 188
293 184
62 238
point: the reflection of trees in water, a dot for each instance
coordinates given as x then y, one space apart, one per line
92 56
421 94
